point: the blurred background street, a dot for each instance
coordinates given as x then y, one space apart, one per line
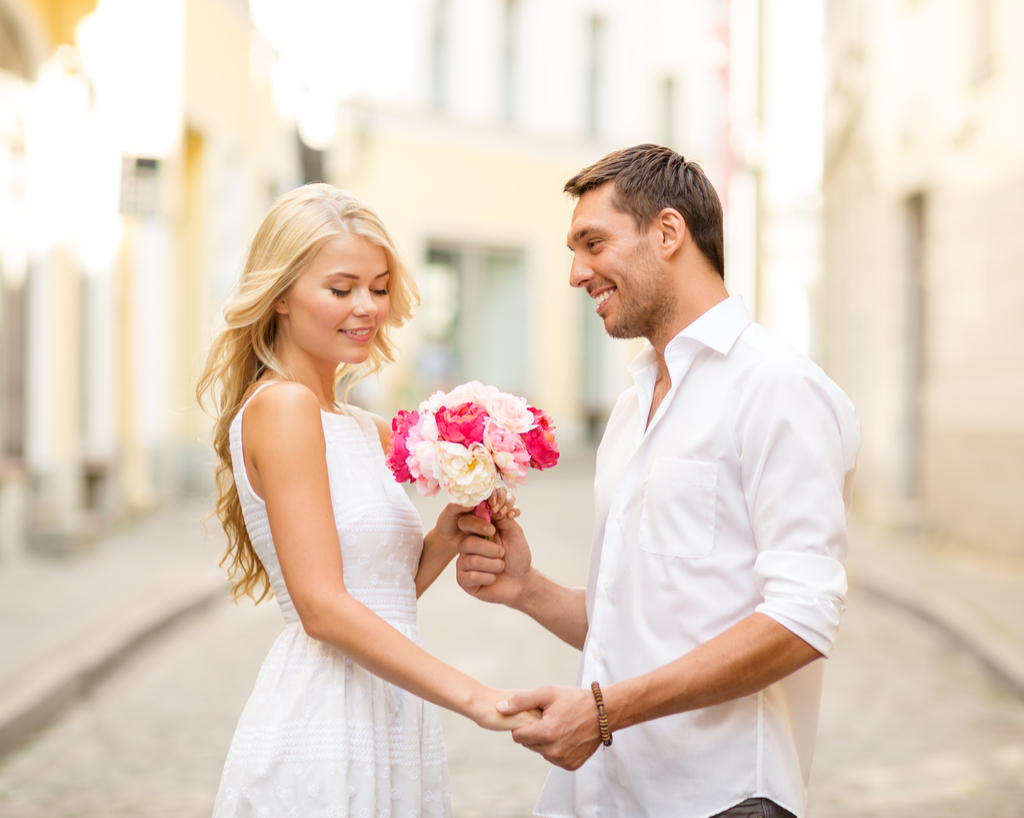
870 159
911 724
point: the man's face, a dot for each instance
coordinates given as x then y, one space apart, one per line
618 267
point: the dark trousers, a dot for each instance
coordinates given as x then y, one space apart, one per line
756 808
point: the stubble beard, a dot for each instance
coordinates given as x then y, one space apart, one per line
647 308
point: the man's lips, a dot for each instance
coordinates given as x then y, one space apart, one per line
601 297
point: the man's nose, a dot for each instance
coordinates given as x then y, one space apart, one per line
579 273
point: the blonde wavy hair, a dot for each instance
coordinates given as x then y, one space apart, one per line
292 233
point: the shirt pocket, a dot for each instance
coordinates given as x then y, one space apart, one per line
678 516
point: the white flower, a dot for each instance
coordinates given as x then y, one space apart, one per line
468 475
432 404
472 392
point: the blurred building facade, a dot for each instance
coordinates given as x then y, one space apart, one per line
141 143
140 147
463 138
924 286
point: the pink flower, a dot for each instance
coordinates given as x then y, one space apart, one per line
423 465
540 441
463 423
508 450
510 411
398 446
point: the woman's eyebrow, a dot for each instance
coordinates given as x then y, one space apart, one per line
354 277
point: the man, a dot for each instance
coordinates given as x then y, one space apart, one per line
723 486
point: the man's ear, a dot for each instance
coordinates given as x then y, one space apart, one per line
671 228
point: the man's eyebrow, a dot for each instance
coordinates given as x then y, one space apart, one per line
581 233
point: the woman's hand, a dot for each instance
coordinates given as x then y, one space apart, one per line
485 712
447 526
502 503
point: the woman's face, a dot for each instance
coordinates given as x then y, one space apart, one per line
336 305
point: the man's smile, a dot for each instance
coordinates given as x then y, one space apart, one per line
601 296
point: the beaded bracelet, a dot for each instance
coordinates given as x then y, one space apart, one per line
602 719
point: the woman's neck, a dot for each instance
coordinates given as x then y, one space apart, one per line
317 376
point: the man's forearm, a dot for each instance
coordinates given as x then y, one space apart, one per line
560 609
751 655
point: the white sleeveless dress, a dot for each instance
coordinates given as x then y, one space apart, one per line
320 736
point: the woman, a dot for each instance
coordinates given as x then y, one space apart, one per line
313 516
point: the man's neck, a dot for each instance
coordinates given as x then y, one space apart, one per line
700 299
689 311
661 386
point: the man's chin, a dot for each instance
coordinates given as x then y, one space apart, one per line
617 329
614 330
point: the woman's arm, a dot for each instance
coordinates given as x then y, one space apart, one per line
286 450
440 547
441 544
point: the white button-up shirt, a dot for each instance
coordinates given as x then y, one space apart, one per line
733 500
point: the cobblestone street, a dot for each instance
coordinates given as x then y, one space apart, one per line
911 726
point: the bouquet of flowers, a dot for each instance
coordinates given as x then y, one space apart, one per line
467 440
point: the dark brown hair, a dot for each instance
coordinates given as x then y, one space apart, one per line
649 178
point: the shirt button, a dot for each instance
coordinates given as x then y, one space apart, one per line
596 654
607 586
618 518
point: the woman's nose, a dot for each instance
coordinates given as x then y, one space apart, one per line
364 303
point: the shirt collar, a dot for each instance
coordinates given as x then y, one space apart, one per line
718 328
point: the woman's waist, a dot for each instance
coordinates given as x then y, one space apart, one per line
396 605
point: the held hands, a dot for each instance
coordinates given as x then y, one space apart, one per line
487 715
567 733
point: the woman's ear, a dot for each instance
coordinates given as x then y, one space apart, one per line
281 307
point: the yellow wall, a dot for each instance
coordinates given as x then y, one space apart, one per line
430 184
61 16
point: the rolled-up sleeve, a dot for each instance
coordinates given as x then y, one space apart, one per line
799 436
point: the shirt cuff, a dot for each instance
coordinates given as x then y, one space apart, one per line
805 593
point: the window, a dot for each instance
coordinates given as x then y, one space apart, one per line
473 314
981 32
439 56
11 58
312 162
510 62
668 110
595 79
915 258
140 186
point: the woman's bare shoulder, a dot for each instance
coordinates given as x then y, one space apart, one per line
286 407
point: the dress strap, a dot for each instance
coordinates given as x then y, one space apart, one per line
255 392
